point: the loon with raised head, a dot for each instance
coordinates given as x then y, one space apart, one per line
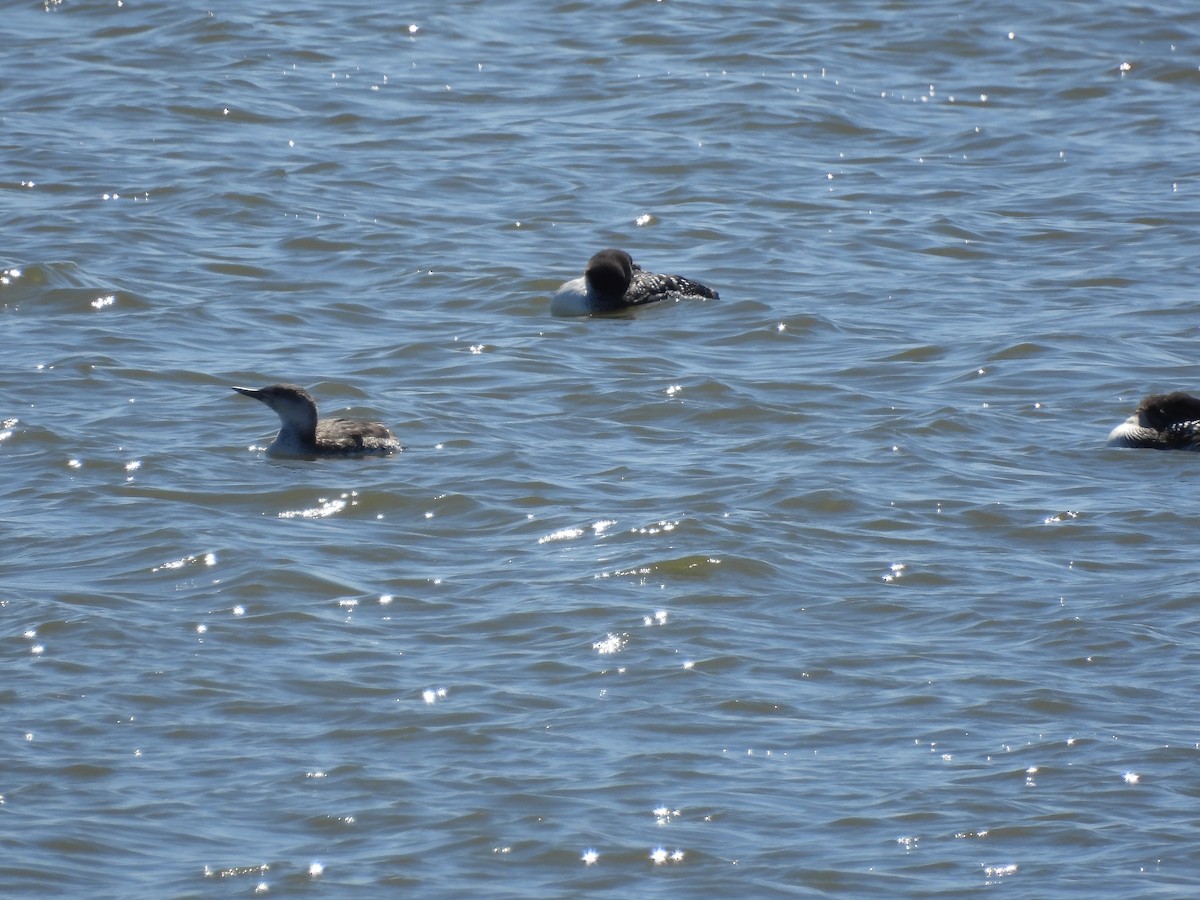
301 433
1161 422
612 282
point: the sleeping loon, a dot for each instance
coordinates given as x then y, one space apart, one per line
1162 422
303 434
613 281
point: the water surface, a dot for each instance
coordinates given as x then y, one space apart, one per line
825 588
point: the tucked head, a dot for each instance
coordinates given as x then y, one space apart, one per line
1162 410
609 272
294 405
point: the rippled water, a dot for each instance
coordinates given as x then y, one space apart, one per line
825 588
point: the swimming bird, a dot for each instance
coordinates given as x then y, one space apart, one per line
303 434
612 281
1161 422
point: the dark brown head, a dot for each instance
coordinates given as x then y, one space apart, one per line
1160 411
609 272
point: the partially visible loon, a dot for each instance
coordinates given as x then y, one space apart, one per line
1161 422
303 434
612 281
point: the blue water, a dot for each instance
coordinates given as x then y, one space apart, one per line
828 588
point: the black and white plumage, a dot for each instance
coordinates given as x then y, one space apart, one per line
1161 422
303 434
612 281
